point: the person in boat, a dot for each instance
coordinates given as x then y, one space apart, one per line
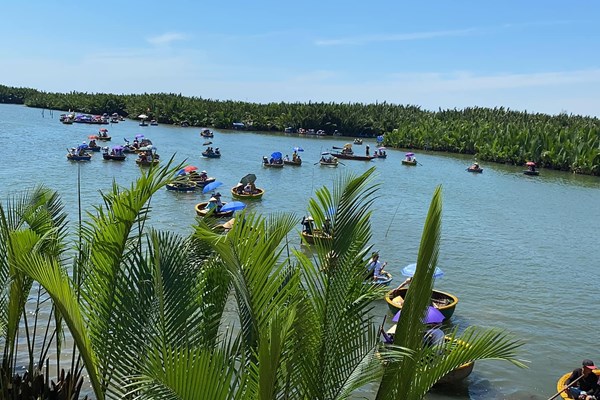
73 151
219 202
203 176
265 160
375 267
327 227
286 158
434 336
248 188
307 224
212 204
239 188
143 157
378 271
367 150
217 151
531 168
475 166
294 156
136 144
587 387
93 143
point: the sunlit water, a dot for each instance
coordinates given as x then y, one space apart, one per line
520 252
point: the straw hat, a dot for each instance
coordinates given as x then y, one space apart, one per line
212 199
229 224
203 172
309 218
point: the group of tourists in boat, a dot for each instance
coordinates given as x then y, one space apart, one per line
296 160
211 153
114 154
311 234
327 160
79 153
276 160
410 159
147 157
206 133
246 189
103 135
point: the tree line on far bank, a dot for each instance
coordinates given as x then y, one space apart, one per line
564 142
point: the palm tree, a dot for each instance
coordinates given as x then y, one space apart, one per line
157 315
411 373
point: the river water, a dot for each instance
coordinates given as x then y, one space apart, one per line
520 252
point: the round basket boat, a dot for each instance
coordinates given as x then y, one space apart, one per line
561 383
201 211
317 235
445 302
258 194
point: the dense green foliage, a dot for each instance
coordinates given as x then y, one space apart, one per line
564 142
155 315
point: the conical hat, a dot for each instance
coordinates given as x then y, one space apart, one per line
229 224
212 199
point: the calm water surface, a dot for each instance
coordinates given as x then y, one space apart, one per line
521 253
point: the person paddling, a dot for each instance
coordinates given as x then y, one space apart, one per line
587 387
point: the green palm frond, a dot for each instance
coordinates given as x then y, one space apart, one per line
189 374
411 374
52 276
344 336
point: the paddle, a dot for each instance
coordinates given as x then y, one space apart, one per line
338 148
565 388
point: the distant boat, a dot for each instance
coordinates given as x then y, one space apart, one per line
153 123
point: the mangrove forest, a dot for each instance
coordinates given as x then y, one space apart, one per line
563 142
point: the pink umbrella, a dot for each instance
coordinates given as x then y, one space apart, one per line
190 168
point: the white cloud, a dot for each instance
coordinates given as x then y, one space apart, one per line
398 37
166 38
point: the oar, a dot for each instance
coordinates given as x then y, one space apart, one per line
339 162
338 148
565 388
419 163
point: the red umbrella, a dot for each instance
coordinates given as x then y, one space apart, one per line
92 137
103 130
530 164
190 168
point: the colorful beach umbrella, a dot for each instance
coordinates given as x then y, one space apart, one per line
211 186
190 168
233 206
433 316
410 269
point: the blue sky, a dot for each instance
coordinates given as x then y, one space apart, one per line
539 56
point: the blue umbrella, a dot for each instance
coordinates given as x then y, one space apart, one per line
276 155
82 146
233 206
433 316
409 270
298 148
139 136
180 172
211 186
